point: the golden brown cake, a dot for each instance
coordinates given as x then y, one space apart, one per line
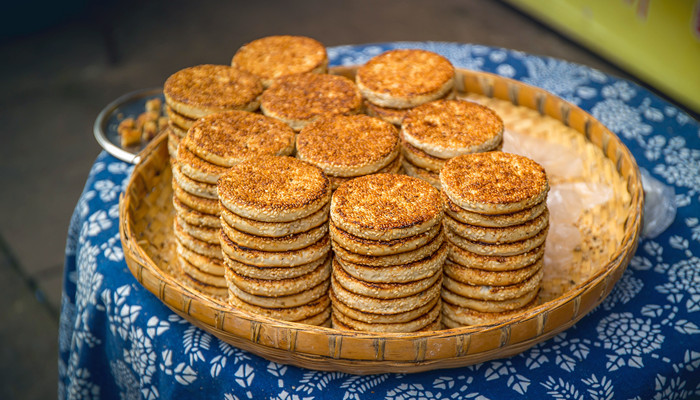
385 318
488 306
394 167
181 121
384 247
413 325
275 229
382 290
394 115
307 295
505 234
293 314
394 259
300 99
433 178
454 317
497 249
228 138
272 272
494 262
398 273
281 287
262 258
381 306
493 220
478 276
192 186
448 128
405 78
292 241
348 145
205 89
272 57
494 182
274 189
493 292
359 207
196 167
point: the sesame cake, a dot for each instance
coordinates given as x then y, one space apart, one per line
269 272
205 89
300 99
494 182
293 300
413 325
274 189
192 186
505 234
497 249
272 57
281 287
340 307
493 220
394 259
454 317
382 247
289 258
228 138
432 178
382 290
292 241
388 306
448 128
292 314
404 78
488 306
348 145
494 262
359 207
275 229
478 276
210 265
181 121
196 167
398 273
493 292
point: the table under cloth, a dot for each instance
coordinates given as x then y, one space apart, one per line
117 340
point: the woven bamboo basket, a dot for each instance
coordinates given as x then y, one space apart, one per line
609 232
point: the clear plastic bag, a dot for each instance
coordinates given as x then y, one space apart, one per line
567 198
557 160
659 206
566 202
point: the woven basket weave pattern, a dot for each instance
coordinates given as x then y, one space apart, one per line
610 233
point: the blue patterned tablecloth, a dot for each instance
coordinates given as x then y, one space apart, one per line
119 341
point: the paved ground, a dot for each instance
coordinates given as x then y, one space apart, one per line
56 80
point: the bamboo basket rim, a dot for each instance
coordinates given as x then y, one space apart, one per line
490 85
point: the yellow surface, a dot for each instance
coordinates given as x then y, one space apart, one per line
656 40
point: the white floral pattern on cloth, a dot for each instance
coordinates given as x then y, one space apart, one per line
118 341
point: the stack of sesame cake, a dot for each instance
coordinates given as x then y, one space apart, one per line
272 57
496 223
195 92
274 237
389 252
434 132
397 80
348 146
212 145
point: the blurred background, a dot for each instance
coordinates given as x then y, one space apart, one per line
62 62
